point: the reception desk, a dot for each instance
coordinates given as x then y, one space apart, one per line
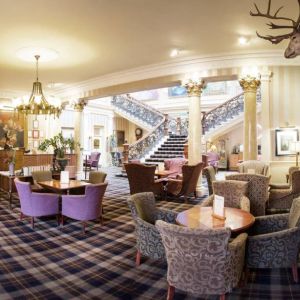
30 160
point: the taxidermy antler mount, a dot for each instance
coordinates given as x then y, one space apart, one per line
293 48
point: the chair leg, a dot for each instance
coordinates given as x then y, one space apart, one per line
295 272
83 227
195 194
62 220
171 291
222 297
58 219
185 199
101 219
21 216
138 258
32 222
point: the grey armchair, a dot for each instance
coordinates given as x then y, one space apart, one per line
233 191
202 261
259 167
258 191
210 174
145 213
275 241
280 200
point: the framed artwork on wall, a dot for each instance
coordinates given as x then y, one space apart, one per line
35 124
35 134
120 137
96 143
283 140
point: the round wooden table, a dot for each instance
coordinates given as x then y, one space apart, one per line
201 217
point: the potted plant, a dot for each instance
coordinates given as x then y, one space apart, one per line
72 144
59 145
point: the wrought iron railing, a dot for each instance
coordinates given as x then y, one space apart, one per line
137 109
224 112
146 114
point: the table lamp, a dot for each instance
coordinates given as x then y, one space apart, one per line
295 147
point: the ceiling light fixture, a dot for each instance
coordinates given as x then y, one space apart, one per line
243 40
37 103
28 54
174 53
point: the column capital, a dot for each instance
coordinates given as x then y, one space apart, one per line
249 83
79 105
194 87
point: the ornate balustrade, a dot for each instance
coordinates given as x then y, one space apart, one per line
137 109
224 112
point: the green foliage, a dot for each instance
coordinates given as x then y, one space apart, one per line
59 145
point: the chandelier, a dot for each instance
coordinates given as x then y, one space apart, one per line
37 103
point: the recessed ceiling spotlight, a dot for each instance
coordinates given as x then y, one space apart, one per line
243 40
174 53
28 54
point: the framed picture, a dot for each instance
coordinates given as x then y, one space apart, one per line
35 134
96 143
120 137
283 140
35 124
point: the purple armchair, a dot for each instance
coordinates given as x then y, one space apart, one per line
175 164
36 204
93 160
84 207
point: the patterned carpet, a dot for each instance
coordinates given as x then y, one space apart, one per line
62 263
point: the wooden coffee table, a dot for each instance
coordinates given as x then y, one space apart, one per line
201 217
60 188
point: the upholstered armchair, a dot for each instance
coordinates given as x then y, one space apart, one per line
258 166
234 193
35 204
187 185
289 180
145 213
175 164
92 161
141 179
281 199
258 191
39 176
84 207
210 174
275 241
202 261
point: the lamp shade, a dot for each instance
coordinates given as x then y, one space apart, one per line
295 146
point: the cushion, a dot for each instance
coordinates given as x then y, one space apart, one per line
294 217
145 206
231 190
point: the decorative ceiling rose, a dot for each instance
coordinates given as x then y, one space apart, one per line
28 54
37 103
293 48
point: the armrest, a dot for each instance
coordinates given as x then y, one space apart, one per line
268 224
45 196
279 193
245 203
208 201
161 180
278 186
236 249
167 215
174 180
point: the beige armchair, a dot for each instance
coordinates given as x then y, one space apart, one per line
289 180
233 191
281 199
259 167
202 261
258 191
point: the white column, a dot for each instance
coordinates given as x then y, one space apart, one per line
250 85
265 119
194 89
79 133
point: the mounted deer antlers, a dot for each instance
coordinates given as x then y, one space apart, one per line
294 46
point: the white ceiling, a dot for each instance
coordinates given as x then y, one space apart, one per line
98 37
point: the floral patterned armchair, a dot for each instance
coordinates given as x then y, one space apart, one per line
275 241
148 239
258 191
202 261
233 191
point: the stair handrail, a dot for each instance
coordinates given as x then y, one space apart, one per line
147 114
138 109
224 111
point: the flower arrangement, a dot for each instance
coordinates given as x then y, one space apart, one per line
11 156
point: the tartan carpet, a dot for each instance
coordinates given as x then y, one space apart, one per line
53 262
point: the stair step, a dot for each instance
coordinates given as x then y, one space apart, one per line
168 152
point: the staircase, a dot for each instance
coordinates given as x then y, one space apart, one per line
171 148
